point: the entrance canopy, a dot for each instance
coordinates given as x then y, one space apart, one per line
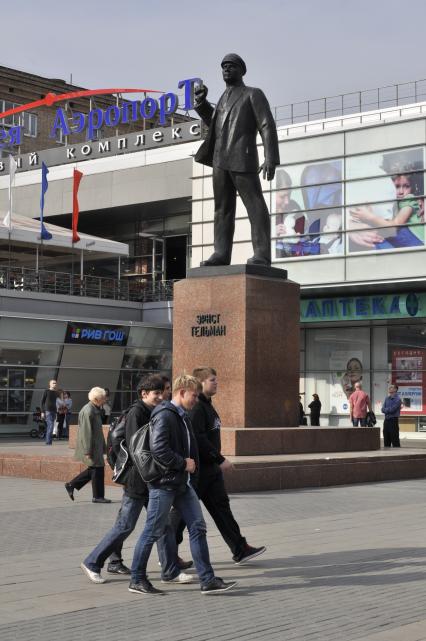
27 230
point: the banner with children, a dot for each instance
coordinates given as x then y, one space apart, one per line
307 203
384 200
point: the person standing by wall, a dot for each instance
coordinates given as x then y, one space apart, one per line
90 448
315 407
359 405
67 418
48 407
391 408
106 408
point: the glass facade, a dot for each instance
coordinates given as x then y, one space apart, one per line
333 359
34 350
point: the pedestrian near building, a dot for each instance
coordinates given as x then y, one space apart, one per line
391 408
211 486
67 418
106 408
359 405
173 445
302 415
90 448
315 408
48 408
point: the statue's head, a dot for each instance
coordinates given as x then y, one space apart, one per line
233 68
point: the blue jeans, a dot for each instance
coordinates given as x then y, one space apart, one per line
359 421
50 421
124 525
160 502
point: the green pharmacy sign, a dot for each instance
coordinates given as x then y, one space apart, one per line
314 310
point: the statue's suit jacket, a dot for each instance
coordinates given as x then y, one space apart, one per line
247 112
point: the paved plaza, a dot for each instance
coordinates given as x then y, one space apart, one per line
343 563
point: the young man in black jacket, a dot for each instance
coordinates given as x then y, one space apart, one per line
135 497
173 445
211 486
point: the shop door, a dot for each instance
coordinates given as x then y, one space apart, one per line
176 252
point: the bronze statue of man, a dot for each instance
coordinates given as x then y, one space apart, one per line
230 148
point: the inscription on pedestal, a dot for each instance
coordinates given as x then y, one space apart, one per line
207 325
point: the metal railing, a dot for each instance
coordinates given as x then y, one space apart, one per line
349 103
64 284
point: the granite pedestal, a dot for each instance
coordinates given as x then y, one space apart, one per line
243 321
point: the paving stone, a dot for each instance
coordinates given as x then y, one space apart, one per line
343 564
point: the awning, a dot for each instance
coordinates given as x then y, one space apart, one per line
27 230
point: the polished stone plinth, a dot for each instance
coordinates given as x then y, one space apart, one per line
298 440
243 321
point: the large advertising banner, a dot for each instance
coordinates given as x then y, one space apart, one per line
308 207
407 373
384 200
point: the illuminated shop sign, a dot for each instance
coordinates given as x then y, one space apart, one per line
90 334
376 307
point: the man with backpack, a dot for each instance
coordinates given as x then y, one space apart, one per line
135 497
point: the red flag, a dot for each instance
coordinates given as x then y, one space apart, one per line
78 175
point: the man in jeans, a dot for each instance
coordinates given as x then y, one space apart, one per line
135 497
391 408
359 405
48 409
173 444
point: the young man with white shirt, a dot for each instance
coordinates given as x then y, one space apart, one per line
173 445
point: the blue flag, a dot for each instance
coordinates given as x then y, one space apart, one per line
44 234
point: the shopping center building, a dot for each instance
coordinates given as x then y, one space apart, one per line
347 211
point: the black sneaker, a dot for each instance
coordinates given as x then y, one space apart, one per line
216 586
248 553
144 587
184 565
69 488
102 500
118 568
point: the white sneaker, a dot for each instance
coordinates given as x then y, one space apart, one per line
180 578
94 577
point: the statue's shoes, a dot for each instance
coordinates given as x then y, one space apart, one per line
213 261
259 261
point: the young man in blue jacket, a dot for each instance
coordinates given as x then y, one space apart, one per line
391 408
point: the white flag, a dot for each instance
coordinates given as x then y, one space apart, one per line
7 220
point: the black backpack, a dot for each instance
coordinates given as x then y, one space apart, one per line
140 452
116 434
117 452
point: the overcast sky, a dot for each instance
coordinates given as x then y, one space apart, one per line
294 49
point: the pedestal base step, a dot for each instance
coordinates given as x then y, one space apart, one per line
297 440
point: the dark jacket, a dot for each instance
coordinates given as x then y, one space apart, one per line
169 445
247 113
206 425
48 402
138 416
315 407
